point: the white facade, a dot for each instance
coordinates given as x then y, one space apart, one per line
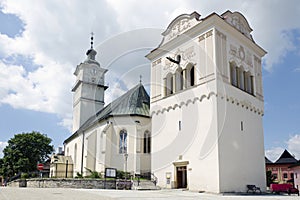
207 105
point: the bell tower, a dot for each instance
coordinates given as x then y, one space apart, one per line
88 91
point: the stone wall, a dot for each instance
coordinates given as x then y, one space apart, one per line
67 183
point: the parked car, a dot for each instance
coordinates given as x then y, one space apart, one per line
285 188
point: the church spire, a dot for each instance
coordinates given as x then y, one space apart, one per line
91 53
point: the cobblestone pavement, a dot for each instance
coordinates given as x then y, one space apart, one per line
10 193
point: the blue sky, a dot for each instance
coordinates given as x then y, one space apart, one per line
41 45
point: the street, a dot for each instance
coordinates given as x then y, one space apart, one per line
12 193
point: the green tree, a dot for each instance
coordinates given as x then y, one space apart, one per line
1 166
270 178
24 151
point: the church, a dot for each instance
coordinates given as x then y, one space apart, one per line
117 135
201 127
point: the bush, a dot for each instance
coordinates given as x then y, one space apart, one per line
78 175
93 174
24 176
121 174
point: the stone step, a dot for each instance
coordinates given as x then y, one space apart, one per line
144 185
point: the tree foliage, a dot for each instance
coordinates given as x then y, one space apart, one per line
270 178
24 151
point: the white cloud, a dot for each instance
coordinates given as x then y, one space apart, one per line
274 153
56 36
294 145
2 146
297 69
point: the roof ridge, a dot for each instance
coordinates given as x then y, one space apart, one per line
286 157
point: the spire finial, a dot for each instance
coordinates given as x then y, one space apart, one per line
141 79
92 40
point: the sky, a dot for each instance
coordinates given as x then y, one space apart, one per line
42 42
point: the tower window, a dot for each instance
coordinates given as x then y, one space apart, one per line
241 79
169 85
190 75
233 77
179 125
123 142
179 79
242 126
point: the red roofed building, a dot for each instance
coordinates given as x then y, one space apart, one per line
281 167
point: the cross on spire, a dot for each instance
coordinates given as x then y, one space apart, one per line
92 40
141 79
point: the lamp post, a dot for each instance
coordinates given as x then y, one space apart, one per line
126 157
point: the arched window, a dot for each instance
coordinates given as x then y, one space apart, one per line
190 75
169 85
247 77
248 83
179 79
241 78
251 85
233 75
147 142
123 142
75 154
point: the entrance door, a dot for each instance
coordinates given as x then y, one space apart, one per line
181 177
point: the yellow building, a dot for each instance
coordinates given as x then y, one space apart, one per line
61 166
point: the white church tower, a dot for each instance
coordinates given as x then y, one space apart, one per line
207 105
88 97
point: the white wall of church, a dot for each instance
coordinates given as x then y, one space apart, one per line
73 149
101 146
135 127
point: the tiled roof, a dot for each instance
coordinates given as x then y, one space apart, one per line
286 158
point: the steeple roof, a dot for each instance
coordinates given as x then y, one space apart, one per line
286 158
134 102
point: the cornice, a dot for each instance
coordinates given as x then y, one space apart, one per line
242 103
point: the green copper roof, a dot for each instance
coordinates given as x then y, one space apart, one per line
134 102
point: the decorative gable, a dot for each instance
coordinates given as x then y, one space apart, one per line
238 21
179 25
